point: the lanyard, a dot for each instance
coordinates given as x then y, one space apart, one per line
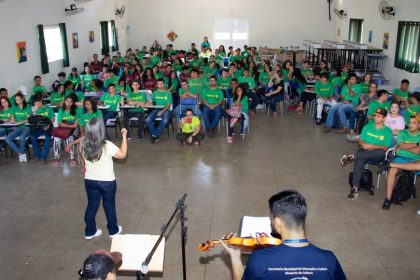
294 241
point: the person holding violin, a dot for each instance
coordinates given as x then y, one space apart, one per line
295 256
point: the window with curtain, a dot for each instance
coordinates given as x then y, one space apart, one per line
109 37
53 45
356 30
407 53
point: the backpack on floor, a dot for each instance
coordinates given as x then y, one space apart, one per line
404 188
366 182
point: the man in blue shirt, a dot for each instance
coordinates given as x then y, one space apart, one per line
295 258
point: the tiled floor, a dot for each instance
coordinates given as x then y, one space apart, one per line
41 211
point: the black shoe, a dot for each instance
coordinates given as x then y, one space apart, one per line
387 204
318 121
156 140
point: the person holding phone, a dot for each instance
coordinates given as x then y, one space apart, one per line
190 129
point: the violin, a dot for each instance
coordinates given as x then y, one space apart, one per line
243 243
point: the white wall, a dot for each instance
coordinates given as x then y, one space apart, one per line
368 10
272 23
19 20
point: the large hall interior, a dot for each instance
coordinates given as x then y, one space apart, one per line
228 102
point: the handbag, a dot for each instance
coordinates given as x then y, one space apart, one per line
235 111
62 132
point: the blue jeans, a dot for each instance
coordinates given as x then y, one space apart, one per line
36 133
97 190
156 132
180 109
342 111
331 114
211 117
273 102
108 115
22 132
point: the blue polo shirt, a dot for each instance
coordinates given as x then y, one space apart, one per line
286 263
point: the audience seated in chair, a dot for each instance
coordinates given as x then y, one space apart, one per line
21 111
187 100
160 97
138 99
44 130
407 150
350 95
275 93
212 100
374 142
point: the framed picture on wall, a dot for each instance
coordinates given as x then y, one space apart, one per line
75 39
386 41
91 37
21 51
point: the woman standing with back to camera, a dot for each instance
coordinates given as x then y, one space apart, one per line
100 180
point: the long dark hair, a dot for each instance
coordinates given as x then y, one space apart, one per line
298 75
24 103
92 102
144 77
94 141
235 96
73 107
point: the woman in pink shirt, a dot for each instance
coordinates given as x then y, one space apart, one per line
394 121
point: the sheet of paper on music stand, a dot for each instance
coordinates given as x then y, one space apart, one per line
252 225
135 248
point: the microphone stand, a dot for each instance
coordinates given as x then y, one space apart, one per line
144 270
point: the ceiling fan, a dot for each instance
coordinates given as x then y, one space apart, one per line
120 12
340 13
73 10
385 10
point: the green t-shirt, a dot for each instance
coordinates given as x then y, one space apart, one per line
365 87
190 127
118 88
404 136
354 99
111 101
162 98
74 80
40 88
195 63
182 91
195 85
56 98
177 67
212 96
6 114
86 79
137 97
46 111
224 83
263 78
375 104
234 58
249 80
155 60
174 85
66 116
86 117
284 73
306 72
245 105
378 137
401 94
108 81
324 90
337 82
210 71
22 114
412 110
